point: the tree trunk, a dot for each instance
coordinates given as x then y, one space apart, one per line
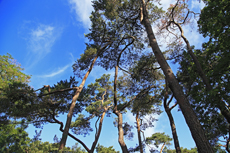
189 115
173 128
139 132
74 99
121 132
162 148
98 133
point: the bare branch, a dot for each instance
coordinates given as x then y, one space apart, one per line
173 106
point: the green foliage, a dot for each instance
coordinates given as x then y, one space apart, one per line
159 138
41 147
214 58
81 125
183 150
214 19
82 64
13 138
13 87
98 100
102 149
11 72
203 102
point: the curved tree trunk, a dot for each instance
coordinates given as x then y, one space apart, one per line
162 148
189 115
173 128
139 132
121 133
171 120
98 133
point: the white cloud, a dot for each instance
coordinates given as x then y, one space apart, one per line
42 39
197 5
166 3
59 71
83 9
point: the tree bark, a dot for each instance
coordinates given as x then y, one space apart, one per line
119 115
171 120
74 99
189 115
98 133
139 132
173 128
162 148
121 133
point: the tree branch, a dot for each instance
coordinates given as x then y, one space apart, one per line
128 103
61 129
125 70
116 73
61 90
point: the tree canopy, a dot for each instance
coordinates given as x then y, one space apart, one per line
122 38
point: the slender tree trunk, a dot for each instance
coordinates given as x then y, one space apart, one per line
139 132
171 120
162 148
74 99
173 128
119 115
116 111
98 133
121 133
190 116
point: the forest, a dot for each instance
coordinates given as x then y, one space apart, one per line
125 37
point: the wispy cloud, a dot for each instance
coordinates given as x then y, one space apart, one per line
59 71
83 9
40 40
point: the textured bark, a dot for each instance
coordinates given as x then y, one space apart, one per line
121 133
173 128
98 133
119 115
139 132
171 120
115 110
74 99
189 115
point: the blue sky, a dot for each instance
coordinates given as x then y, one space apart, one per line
47 36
